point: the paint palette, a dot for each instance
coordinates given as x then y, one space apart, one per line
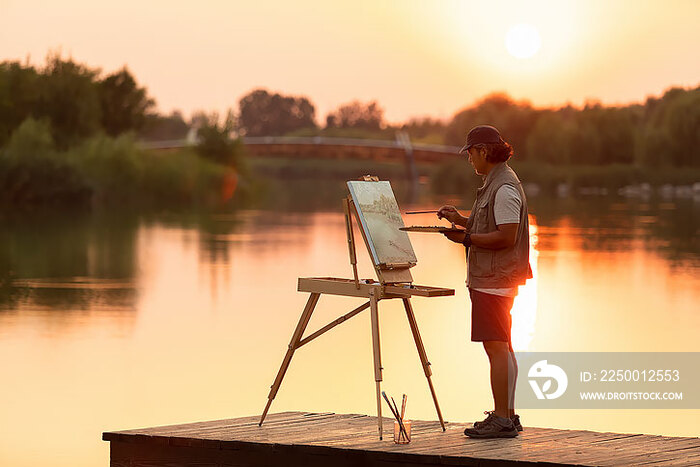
431 228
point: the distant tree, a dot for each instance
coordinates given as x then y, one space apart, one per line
123 103
19 95
216 139
670 134
425 128
613 129
69 98
201 119
513 119
72 98
357 115
269 114
32 172
158 127
552 138
594 135
683 125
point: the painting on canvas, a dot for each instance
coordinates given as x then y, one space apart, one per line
381 220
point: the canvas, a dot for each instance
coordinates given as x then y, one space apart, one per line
381 220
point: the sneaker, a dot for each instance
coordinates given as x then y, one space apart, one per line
516 422
490 413
493 427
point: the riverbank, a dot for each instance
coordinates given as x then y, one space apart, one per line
580 180
457 176
115 171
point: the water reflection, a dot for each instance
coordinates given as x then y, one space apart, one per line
524 311
68 263
597 223
117 320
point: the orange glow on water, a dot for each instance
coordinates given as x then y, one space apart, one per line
209 314
524 310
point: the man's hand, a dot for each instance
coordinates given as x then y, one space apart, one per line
451 214
457 237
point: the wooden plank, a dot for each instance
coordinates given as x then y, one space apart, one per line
287 433
297 438
243 432
275 418
253 433
673 458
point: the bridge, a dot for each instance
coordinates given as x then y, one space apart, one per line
321 147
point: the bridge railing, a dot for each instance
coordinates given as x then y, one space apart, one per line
331 141
314 140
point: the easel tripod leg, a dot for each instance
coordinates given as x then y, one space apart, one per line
293 344
423 356
374 308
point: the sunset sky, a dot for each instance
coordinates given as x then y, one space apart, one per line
415 57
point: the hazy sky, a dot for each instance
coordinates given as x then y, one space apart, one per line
414 57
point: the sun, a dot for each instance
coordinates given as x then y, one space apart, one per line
523 40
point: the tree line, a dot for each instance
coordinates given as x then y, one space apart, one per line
662 131
76 102
72 98
68 135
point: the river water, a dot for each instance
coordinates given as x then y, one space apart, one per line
113 321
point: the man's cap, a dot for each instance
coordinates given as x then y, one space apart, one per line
481 134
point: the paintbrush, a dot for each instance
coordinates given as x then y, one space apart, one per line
403 409
429 211
405 432
389 403
396 415
403 406
422 212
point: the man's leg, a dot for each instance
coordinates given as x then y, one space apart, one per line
500 359
513 378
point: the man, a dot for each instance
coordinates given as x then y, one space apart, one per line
497 243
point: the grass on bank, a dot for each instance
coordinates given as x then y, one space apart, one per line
109 171
457 176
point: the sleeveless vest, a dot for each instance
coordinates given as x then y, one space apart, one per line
506 267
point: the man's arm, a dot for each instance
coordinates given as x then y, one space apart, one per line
507 206
504 237
451 214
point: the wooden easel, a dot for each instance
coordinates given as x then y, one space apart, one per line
395 281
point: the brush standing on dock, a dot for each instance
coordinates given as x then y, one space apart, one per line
497 243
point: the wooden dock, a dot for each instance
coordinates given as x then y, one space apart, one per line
326 439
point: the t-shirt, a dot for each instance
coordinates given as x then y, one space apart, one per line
506 210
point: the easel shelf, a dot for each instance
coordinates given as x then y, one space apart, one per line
346 287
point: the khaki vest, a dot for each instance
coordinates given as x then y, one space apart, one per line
506 267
